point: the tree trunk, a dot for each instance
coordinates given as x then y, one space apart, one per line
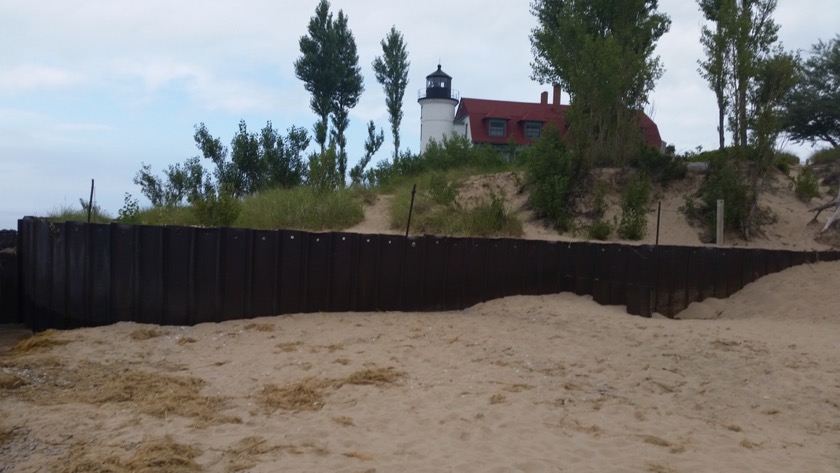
834 217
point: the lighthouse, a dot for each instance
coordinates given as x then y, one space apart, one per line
437 108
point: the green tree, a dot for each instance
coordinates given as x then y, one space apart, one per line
212 149
349 88
602 53
323 173
391 71
317 68
180 182
329 68
372 144
248 168
812 112
744 35
283 157
717 66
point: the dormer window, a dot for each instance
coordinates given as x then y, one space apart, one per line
533 129
497 128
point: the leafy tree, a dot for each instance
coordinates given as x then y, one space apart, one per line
329 68
372 145
391 71
348 90
248 169
212 148
317 68
323 173
718 63
813 109
744 36
180 182
601 52
282 157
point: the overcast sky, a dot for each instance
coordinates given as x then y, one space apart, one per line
91 89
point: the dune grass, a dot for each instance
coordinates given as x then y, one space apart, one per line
437 211
302 208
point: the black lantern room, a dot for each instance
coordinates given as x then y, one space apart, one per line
438 85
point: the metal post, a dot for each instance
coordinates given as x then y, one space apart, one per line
658 215
720 210
90 201
410 209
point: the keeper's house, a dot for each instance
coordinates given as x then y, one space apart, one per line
495 122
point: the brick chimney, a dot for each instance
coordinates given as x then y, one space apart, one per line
544 98
555 103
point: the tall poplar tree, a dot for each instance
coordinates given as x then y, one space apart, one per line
718 63
349 88
329 68
316 67
744 35
391 71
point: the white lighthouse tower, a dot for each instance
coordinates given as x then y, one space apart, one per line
437 108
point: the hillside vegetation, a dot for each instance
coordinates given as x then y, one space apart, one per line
472 191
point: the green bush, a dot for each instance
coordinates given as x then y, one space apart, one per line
452 153
662 168
634 202
216 209
785 161
130 211
724 181
806 184
599 230
437 212
555 178
491 218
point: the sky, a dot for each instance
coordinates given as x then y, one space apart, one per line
91 89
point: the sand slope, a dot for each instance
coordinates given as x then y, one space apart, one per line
522 384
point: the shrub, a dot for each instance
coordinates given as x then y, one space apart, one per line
555 177
634 202
216 209
452 153
806 184
724 181
784 162
599 230
492 218
662 168
130 211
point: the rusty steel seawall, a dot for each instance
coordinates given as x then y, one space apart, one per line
76 274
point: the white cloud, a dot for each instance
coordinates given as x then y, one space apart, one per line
32 77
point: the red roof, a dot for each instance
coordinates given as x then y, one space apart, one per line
479 112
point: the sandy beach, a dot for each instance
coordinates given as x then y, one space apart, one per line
532 384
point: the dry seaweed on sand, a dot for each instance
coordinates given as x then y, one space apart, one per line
153 455
146 392
305 395
309 394
377 376
145 334
39 341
